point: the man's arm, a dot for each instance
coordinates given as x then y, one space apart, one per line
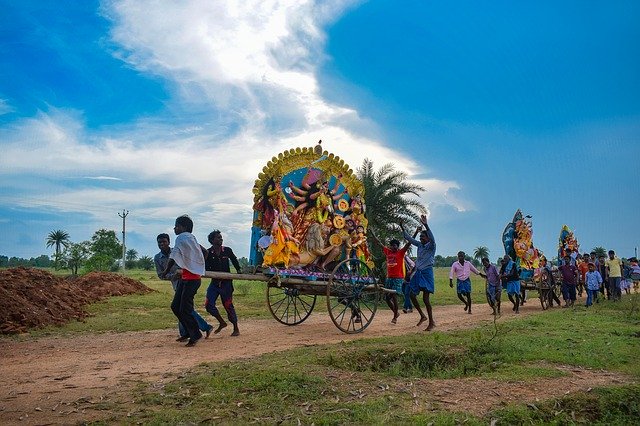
451 272
159 267
234 260
376 240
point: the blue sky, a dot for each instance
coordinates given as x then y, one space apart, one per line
166 108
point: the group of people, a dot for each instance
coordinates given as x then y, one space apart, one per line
608 276
187 261
184 265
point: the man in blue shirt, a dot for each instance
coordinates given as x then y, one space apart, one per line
423 280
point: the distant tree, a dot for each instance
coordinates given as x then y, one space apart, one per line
57 239
130 258
146 263
105 251
42 261
244 263
480 252
599 251
76 255
4 261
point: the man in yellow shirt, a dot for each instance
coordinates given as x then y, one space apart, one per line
614 272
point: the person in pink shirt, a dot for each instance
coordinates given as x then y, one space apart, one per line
462 270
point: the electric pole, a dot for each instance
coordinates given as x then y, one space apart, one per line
124 215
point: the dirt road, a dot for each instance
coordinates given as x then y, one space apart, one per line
54 380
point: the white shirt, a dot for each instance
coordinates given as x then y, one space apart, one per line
188 254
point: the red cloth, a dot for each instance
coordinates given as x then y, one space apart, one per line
583 268
188 275
395 262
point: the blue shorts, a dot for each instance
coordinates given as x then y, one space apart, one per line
494 291
513 287
464 286
422 280
394 284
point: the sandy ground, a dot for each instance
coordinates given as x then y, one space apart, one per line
62 380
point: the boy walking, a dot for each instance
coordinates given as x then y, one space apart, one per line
569 280
395 272
509 275
614 272
462 271
218 258
423 280
187 254
592 281
494 285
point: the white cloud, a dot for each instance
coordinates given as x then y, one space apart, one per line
5 107
252 61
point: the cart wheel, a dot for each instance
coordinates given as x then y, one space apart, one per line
352 296
288 305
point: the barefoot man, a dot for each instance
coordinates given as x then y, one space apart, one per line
423 280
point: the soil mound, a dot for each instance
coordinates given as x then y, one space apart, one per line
31 298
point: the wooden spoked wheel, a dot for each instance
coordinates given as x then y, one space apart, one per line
352 296
289 305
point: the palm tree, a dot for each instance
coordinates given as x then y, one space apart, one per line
131 255
387 202
386 192
59 239
600 251
480 252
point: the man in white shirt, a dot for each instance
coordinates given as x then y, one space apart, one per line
188 255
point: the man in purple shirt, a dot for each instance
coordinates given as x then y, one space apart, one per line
569 274
494 285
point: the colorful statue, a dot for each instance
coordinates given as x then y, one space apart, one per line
311 223
517 239
567 241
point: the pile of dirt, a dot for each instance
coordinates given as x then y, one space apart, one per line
32 298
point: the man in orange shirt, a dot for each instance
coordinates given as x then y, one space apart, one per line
395 272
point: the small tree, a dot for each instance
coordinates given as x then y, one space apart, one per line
145 263
75 256
130 258
105 251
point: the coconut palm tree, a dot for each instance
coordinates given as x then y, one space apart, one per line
59 239
600 251
387 199
480 252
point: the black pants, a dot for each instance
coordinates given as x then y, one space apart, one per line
182 306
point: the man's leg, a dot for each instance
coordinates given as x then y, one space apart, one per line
468 295
213 291
427 303
572 294
175 308
414 300
517 297
407 306
226 295
394 307
189 291
460 296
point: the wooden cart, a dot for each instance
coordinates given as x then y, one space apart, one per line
351 290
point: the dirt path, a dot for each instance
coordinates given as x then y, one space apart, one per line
56 380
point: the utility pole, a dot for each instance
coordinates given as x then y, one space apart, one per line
124 215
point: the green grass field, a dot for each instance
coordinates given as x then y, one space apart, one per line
151 311
364 381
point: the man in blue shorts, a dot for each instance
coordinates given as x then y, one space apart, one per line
423 280
510 275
